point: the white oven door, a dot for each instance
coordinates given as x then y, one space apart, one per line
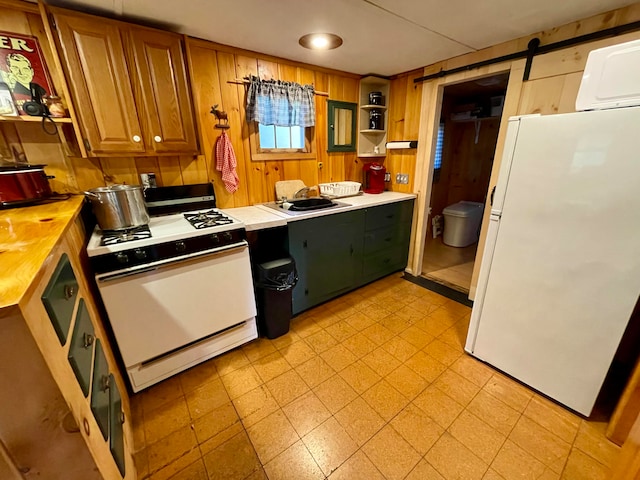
169 304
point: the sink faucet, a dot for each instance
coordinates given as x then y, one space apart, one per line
302 193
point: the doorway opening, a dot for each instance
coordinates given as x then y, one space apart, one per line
466 144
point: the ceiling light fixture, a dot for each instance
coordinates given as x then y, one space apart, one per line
320 41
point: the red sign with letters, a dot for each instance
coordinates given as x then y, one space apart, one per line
22 64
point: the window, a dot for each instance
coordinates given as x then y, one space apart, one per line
437 160
281 117
270 142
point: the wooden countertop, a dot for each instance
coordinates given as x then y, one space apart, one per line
27 236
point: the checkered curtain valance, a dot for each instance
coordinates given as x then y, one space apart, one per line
285 104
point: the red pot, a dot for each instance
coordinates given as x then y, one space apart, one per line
23 184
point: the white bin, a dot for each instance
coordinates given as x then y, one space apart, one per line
461 223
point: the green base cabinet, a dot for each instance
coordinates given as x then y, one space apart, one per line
328 255
337 253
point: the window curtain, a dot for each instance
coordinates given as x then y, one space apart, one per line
285 104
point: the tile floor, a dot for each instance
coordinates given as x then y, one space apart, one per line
373 385
451 266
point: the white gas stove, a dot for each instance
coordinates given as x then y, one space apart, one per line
179 290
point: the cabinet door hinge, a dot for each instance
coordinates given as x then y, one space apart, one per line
87 145
52 21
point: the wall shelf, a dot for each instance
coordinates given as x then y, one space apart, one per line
371 107
23 118
370 140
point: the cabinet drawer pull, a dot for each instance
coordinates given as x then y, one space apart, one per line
304 244
390 216
157 138
85 424
121 417
136 138
88 340
388 239
69 291
104 383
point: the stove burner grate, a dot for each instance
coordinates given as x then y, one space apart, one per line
112 237
210 218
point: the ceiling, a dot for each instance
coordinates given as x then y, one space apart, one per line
385 37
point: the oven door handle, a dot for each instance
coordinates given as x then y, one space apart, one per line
150 267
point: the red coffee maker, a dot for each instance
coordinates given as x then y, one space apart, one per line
374 177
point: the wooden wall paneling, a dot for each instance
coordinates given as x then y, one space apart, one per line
351 168
12 141
321 83
567 102
15 21
309 167
257 174
229 92
396 107
41 148
571 60
120 170
88 173
170 171
193 168
205 84
6 155
274 169
541 96
627 465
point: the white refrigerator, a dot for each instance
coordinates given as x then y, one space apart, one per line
560 273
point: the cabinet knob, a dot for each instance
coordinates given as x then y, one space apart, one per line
157 138
69 291
136 138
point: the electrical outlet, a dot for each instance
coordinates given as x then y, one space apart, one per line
387 177
320 165
402 178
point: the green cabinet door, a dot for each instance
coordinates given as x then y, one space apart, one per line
100 390
116 419
81 347
328 254
59 298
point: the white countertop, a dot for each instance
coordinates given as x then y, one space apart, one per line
255 218
260 216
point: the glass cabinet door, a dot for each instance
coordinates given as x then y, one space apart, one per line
81 347
59 298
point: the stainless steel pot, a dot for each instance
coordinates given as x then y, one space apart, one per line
119 207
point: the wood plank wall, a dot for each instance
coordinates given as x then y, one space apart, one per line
213 67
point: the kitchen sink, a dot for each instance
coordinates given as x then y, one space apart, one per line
301 206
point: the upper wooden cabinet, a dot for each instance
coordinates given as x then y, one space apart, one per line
129 85
162 77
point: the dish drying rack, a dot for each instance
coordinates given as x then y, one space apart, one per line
340 189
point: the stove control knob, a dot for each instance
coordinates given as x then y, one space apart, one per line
180 246
140 254
215 238
227 236
122 257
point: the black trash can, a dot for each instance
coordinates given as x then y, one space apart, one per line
274 287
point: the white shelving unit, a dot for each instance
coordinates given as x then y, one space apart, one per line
371 143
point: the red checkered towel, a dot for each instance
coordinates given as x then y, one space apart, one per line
226 162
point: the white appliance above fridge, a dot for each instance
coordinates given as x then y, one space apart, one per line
560 272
